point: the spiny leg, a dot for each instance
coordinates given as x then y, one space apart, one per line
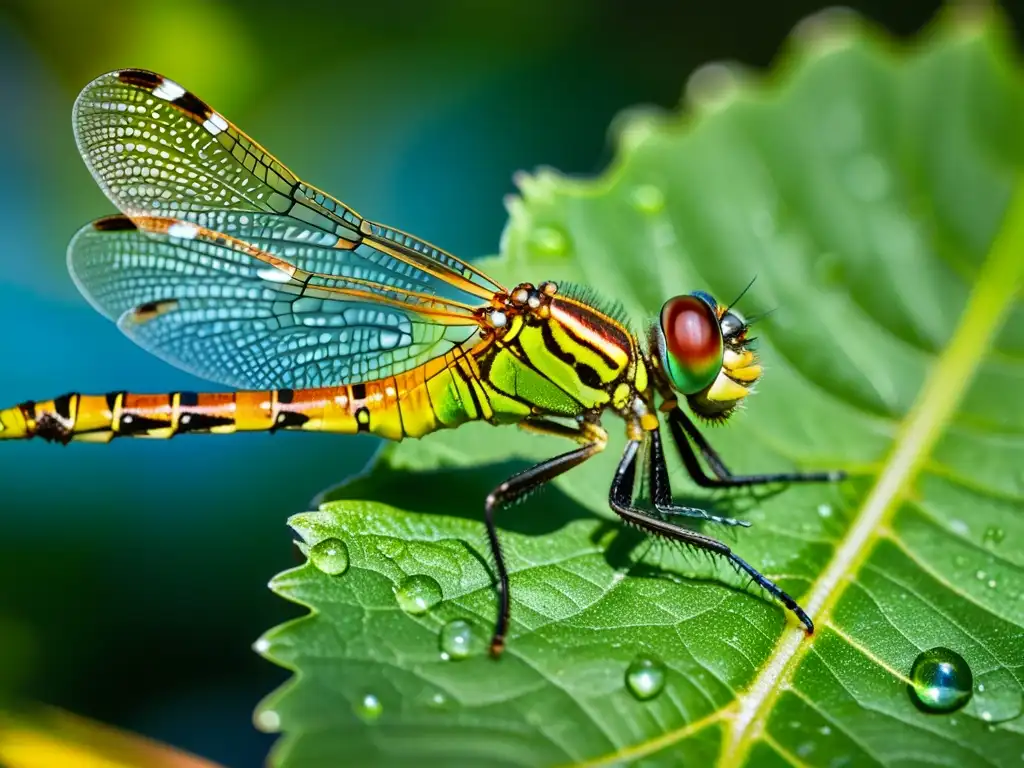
684 431
661 491
517 486
620 498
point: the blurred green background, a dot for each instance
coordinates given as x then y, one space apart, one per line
134 574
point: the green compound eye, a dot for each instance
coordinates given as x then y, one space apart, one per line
693 347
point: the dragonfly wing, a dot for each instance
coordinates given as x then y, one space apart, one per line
158 150
225 309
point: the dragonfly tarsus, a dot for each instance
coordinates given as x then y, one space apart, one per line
620 498
521 484
686 435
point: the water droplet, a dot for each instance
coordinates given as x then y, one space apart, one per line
418 594
998 697
369 708
267 721
993 536
940 680
330 556
391 548
824 510
960 560
959 527
261 646
438 700
456 638
980 575
645 678
549 241
992 583
825 730
648 199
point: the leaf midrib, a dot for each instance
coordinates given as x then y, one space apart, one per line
941 393
998 283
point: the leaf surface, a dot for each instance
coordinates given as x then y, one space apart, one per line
875 192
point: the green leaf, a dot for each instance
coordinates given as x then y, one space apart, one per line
874 190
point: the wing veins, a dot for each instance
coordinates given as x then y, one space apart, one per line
463 314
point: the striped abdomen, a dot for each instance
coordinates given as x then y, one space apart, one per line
412 404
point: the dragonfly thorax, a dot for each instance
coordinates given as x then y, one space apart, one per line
560 353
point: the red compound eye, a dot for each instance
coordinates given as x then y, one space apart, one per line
693 341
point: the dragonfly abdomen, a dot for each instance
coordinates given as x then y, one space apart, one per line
411 404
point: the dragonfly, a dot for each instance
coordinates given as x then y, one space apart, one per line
226 264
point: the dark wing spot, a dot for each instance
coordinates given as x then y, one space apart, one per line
151 310
142 78
193 106
114 224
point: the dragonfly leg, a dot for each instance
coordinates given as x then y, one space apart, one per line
620 498
686 435
594 439
661 491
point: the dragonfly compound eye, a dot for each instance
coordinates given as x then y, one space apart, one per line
693 347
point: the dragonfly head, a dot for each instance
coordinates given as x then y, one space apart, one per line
701 347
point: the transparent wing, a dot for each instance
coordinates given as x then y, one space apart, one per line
227 309
159 151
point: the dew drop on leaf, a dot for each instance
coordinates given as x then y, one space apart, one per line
330 556
940 680
418 594
369 707
993 536
648 199
456 637
998 697
391 548
645 678
549 241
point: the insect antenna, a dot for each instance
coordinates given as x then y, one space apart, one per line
743 293
757 318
